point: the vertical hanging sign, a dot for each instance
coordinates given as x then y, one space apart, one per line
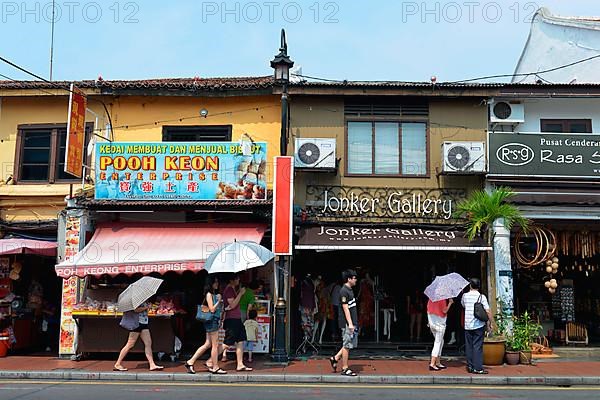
75 133
283 200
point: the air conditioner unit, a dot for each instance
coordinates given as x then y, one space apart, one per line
463 157
505 112
315 153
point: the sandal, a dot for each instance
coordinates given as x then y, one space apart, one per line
157 368
348 372
333 363
189 368
247 369
121 369
218 371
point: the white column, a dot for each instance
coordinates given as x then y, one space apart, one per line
503 270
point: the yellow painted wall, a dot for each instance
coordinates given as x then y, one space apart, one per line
133 119
449 120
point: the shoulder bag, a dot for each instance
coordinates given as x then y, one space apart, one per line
479 311
130 320
203 313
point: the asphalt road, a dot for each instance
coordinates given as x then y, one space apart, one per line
63 390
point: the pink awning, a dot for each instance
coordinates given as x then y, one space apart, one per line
27 246
122 248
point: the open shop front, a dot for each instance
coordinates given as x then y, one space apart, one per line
394 264
29 296
120 253
557 279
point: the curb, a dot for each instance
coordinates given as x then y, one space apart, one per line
304 378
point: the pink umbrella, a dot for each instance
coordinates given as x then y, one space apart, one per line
446 287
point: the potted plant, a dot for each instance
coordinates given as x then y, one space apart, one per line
518 341
494 342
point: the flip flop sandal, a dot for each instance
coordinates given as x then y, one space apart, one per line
218 371
333 363
348 372
247 369
189 368
157 368
120 369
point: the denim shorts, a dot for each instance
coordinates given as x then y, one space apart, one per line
212 325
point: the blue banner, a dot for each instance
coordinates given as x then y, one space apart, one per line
181 171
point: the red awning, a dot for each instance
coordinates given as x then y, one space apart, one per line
27 246
123 248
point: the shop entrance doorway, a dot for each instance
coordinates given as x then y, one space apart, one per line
392 306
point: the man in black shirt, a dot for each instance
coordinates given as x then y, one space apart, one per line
348 320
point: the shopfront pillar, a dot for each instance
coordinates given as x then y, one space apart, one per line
502 291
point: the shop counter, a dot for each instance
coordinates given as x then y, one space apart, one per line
100 333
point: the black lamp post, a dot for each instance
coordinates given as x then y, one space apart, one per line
281 64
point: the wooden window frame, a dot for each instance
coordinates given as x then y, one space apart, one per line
399 121
566 122
172 129
54 147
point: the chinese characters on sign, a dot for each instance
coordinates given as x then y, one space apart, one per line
75 133
181 171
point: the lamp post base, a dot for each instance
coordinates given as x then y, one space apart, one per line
279 353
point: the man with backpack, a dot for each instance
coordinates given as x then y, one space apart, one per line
477 315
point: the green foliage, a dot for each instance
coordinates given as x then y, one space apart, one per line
482 208
523 333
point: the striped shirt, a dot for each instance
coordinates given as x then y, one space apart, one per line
468 302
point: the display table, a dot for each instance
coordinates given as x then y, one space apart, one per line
102 333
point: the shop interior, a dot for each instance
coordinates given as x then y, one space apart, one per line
389 294
576 300
30 296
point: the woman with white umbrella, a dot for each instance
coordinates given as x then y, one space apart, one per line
441 289
133 303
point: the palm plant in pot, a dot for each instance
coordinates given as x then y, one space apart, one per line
480 210
518 341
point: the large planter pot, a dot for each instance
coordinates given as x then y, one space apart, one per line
512 357
493 352
525 357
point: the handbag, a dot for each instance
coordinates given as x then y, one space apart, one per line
479 311
130 320
203 313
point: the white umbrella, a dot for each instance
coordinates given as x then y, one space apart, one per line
138 292
446 287
237 257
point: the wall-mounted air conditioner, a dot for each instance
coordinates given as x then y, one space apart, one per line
463 157
505 112
315 153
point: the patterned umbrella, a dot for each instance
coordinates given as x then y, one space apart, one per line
138 292
446 287
237 257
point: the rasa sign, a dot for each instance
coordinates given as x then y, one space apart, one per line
180 171
544 155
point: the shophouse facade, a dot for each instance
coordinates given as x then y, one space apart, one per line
380 168
544 144
170 165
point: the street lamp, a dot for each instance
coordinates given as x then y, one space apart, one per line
281 64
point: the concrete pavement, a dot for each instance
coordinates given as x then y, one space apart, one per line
548 372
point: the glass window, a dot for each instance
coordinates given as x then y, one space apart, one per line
360 147
398 148
387 148
566 125
35 156
414 149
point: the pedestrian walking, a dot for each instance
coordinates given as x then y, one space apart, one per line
475 327
235 333
212 299
136 322
436 319
348 319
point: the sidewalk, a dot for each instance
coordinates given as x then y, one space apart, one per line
546 372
